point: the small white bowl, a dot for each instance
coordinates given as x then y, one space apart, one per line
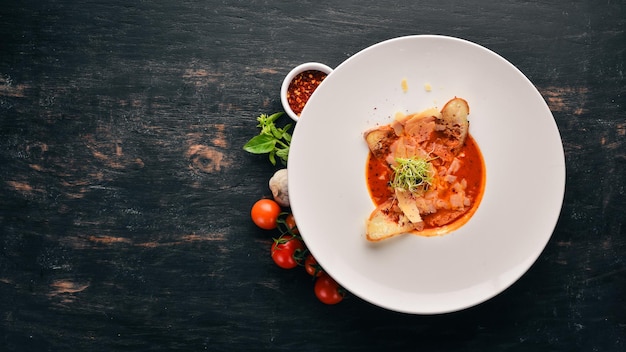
290 76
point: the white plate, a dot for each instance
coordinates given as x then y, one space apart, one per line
522 151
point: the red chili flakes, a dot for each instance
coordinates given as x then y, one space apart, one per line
301 88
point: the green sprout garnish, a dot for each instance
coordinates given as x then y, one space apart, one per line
412 174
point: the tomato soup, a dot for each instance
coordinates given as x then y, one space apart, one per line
379 175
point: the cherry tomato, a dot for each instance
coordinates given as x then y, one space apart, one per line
290 221
264 213
328 290
285 251
311 266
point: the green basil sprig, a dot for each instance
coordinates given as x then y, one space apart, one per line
271 140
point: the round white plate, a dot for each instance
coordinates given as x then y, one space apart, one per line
522 150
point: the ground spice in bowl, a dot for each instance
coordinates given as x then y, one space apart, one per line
301 88
299 85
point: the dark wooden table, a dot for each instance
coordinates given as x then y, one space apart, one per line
125 193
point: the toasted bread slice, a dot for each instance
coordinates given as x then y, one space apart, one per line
386 222
454 122
379 139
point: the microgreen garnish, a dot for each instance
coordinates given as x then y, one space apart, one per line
271 140
412 174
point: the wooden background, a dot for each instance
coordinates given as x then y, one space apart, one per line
125 193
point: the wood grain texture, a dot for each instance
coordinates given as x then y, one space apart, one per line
125 193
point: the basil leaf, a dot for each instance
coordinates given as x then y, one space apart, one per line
273 157
283 154
277 132
275 116
260 144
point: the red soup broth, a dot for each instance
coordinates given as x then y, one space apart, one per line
378 174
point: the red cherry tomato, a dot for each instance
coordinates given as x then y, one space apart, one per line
290 222
264 213
285 251
311 266
328 290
